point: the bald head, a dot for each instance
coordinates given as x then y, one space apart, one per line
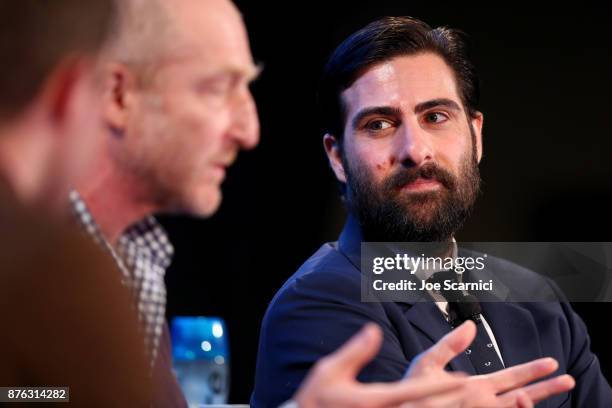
147 32
139 26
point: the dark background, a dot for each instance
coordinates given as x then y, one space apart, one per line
547 174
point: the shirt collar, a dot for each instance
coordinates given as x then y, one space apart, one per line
146 236
426 273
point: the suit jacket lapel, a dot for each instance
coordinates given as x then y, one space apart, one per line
515 332
513 327
427 318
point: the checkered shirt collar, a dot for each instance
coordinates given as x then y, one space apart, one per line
143 253
148 235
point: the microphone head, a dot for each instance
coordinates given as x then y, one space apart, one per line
466 308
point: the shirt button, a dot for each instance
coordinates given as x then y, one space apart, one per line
489 345
468 351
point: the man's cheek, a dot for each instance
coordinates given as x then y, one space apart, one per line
450 161
382 166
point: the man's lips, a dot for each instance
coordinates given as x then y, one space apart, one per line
219 170
421 184
222 166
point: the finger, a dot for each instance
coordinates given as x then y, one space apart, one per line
517 376
514 399
523 401
356 352
447 348
385 394
545 389
538 392
450 399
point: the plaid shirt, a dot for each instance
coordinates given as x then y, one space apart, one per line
143 253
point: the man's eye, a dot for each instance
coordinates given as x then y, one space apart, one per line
216 86
436 117
378 125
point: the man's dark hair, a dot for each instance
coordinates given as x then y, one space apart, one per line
381 41
36 35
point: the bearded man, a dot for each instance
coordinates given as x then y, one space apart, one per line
403 136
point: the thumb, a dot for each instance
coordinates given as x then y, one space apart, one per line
357 351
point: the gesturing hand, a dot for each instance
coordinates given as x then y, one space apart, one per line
504 388
332 381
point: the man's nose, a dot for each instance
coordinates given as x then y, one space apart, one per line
413 145
245 122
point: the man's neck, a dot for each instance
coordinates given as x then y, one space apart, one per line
115 200
26 166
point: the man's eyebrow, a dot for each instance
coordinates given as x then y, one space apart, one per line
249 73
255 72
448 103
375 110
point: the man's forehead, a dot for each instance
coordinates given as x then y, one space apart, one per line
199 9
209 65
403 82
211 24
212 34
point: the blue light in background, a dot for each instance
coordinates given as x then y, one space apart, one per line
199 338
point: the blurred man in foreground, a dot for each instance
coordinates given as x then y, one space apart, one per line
67 319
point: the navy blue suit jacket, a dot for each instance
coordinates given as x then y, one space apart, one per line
319 308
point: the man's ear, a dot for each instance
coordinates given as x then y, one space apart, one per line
60 86
120 83
476 122
334 155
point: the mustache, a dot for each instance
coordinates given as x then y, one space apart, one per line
429 171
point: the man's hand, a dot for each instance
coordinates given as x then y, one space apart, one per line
504 388
331 382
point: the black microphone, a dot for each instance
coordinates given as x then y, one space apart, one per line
462 305
467 308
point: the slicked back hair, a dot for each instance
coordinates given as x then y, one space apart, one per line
382 41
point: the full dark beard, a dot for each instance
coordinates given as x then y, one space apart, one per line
388 214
